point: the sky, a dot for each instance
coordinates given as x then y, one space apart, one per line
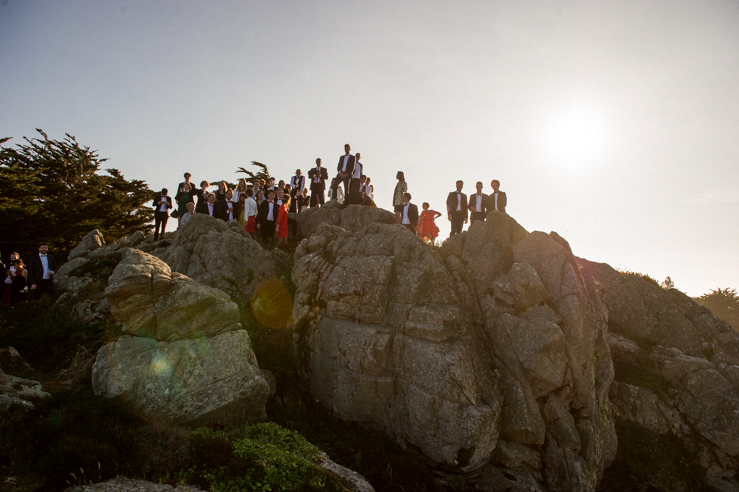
612 123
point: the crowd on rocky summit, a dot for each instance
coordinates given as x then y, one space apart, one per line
262 207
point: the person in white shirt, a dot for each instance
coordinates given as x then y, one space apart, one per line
477 204
497 200
190 212
409 213
250 213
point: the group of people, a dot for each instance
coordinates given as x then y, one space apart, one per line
262 207
459 208
28 281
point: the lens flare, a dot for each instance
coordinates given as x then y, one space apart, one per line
272 304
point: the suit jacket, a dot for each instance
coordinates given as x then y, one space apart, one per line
192 192
298 183
323 177
413 215
502 201
473 203
451 203
264 212
220 210
36 269
349 165
202 208
157 198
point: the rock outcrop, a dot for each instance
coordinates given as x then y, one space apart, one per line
19 394
92 241
350 218
676 366
189 361
503 341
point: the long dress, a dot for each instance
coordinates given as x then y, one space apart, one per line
429 227
282 222
182 204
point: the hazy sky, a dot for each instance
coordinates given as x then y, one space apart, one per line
615 124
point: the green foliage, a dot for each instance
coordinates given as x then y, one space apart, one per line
643 276
646 461
667 283
47 335
262 172
724 304
52 192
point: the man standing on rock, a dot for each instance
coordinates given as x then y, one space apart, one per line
456 209
497 200
318 177
162 203
409 213
478 202
345 170
355 194
267 217
41 271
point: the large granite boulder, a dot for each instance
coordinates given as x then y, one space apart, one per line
221 255
502 341
149 300
350 218
92 241
19 394
190 382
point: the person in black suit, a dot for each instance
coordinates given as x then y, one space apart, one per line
202 194
497 200
345 170
456 209
355 194
478 202
41 271
267 217
162 203
297 183
318 177
208 207
409 213
192 191
225 207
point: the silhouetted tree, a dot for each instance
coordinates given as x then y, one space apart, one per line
262 173
723 303
51 192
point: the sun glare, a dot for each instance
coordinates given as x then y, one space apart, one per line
576 137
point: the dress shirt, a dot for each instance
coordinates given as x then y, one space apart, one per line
478 202
297 182
163 205
270 214
496 200
357 170
346 161
230 210
317 175
45 264
459 201
406 220
210 209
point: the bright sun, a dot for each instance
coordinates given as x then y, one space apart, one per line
576 137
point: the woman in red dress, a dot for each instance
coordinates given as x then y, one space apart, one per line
281 223
429 227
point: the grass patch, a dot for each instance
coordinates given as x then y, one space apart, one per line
647 461
643 276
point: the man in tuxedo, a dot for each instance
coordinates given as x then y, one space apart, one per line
456 209
297 183
355 194
497 200
225 208
202 194
409 213
41 271
192 191
267 217
162 203
345 170
208 207
318 177
478 203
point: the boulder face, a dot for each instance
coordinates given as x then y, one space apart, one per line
149 300
688 362
189 382
350 218
498 339
92 241
221 255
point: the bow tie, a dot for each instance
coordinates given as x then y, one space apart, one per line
43 255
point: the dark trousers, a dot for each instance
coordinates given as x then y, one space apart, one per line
317 197
160 219
338 180
355 196
477 216
457 223
45 286
268 230
411 227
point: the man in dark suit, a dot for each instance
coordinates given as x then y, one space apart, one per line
41 271
192 191
267 217
355 195
297 183
162 203
456 209
318 177
225 208
477 204
208 207
345 170
409 213
497 200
